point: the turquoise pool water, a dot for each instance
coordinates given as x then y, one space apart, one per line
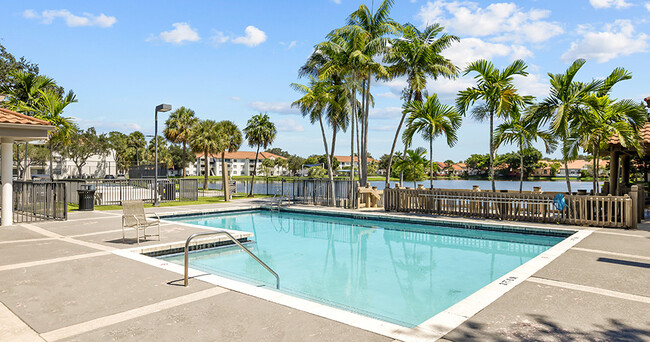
398 272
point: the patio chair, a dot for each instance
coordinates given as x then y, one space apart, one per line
133 216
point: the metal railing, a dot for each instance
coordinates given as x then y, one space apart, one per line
187 262
114 191
305 191
39 201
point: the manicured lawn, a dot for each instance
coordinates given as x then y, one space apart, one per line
201 200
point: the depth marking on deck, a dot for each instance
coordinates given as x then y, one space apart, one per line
598 251
128 315
591 289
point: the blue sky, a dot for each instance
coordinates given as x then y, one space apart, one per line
233 59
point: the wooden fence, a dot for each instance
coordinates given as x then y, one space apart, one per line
601 211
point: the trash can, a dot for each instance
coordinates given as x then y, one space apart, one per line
86 197
167 191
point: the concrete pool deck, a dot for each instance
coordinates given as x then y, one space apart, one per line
65 281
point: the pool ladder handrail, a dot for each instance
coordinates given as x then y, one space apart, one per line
187 263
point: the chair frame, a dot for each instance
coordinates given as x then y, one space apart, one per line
141 223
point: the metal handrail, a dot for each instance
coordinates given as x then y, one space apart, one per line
187 263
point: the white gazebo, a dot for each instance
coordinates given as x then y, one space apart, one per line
15 127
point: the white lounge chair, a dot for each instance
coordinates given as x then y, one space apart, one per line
133 216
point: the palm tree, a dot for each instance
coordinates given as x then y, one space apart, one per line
431 119
368 33
494 87
567 104
317 97
418 55
259 132
49 107
605 119
522 131
178 128
412 164
25 90
204 138
230 140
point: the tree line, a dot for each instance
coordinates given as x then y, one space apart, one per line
373 47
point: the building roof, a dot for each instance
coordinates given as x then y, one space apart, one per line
10 117
245 155
644 132
346 159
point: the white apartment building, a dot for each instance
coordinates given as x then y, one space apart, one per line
96 167
240 163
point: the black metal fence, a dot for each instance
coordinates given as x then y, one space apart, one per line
39 201
306 191
114 191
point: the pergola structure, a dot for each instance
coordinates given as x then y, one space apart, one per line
15 127
620 157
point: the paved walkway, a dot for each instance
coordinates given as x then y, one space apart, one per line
62 281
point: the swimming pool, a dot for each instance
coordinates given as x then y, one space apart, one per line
399 272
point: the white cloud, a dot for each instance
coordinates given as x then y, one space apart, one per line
288 125
501 21
609 3
532 85
471 49
289 45
389 95
647 6
386 113
235 98
218 37
181 33
71 20
253 37
274 107
617 39
338 2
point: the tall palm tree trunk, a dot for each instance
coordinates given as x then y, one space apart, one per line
521 168
329 163
595 169
566 168
254 171
392 149
364 150
184 157
431 163
362 132
494 189
352 189
333 144
206 168
224 177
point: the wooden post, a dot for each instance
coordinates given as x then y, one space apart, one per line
634 194
613 173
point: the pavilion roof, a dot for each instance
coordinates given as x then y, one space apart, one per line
10 117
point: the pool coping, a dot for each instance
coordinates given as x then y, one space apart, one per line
432 329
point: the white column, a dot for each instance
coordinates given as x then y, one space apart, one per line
7 187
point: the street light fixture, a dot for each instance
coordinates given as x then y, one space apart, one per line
159 108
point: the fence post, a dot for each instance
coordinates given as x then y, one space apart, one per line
634 194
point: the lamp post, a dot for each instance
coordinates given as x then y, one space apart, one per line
159 108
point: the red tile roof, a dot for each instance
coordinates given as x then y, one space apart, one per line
245 155
644 132
10 117
346 159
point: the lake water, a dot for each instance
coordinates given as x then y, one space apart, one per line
551 186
